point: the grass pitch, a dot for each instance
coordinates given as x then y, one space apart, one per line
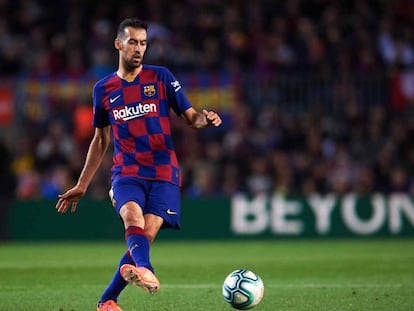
298 275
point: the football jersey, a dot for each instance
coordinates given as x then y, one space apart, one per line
139 115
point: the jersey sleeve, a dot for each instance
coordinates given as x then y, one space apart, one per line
178 101
100 115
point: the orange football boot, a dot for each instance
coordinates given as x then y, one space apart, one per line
108 305
140 276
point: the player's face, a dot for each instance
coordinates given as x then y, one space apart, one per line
132 47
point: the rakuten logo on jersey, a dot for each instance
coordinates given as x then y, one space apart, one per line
132 112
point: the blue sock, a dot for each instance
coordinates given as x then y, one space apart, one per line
138 246
117 283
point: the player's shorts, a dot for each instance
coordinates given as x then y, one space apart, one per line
156 197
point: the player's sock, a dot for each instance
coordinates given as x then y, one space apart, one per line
117 283
138 246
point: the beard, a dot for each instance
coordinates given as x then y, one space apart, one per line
132 63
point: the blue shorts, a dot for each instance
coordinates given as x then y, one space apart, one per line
156 197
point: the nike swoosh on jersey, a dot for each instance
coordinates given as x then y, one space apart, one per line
112 100
170 212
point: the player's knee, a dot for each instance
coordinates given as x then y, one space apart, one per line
132 217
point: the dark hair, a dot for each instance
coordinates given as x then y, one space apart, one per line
130 22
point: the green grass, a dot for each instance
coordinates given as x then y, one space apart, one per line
298 275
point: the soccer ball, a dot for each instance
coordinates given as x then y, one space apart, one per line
243 289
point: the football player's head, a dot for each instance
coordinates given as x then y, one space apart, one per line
131 42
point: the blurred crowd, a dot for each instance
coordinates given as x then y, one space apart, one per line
262 149
73 37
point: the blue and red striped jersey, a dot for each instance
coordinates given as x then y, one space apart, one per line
139 114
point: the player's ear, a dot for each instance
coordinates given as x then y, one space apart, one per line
118 43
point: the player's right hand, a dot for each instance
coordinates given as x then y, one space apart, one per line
69 199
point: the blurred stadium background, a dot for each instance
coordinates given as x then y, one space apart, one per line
317 98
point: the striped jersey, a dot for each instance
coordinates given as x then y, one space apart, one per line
139 115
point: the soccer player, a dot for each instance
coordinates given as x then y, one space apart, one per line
135 103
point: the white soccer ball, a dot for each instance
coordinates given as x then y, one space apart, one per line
243 289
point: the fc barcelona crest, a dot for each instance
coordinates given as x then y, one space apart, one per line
149 90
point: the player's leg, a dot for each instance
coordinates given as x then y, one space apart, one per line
136 239
121 192
116 286
138 275
153 224
161 210
128 196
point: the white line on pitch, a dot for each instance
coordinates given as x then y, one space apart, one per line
356 285
359 285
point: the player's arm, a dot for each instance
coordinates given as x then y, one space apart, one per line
201 119
96 152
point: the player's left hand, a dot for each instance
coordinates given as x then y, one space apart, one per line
212 117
